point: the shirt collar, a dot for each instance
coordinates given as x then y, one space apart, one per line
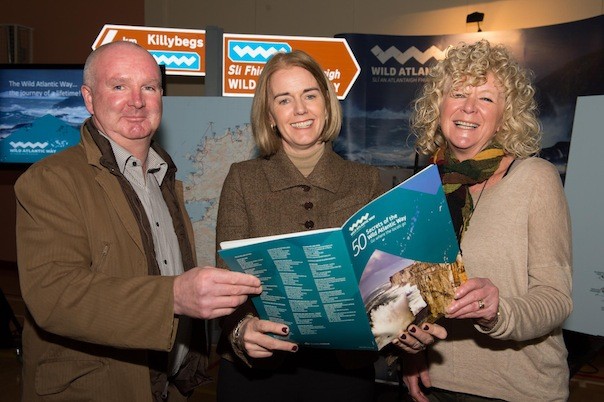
155 164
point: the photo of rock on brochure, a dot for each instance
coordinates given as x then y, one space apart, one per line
398 292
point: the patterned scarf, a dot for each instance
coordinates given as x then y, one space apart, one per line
457 177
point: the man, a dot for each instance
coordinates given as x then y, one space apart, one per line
105 252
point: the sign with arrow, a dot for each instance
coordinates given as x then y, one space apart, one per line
182 51
245 56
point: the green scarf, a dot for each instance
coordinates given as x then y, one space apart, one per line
457 177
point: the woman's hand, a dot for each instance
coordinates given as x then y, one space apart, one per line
415 374
415 339
477 298
255 342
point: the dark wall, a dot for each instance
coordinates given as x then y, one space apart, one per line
7 213
63 32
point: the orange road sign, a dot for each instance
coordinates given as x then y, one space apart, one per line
182 51
245 56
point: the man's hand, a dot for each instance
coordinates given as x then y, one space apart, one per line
212 292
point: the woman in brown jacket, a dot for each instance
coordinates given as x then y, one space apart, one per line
299 183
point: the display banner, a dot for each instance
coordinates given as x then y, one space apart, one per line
567 60
584 191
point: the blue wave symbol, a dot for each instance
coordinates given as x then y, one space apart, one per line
186 61
360 222
255 52
28 144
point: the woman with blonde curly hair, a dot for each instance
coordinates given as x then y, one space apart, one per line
476 117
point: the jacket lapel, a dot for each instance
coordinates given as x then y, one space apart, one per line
282 174
328 174
121 206
111 186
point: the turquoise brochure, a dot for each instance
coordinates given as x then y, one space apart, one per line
356 287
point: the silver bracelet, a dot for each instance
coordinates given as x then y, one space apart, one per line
494 323
237 331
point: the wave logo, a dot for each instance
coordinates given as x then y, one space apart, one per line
411 53
28 145
255 52
359 223
183 61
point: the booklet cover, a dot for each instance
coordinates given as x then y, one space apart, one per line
394 262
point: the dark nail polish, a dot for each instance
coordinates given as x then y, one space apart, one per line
403 336
284 329
426 327
412 330
295 348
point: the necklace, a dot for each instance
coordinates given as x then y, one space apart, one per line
479 195
466 221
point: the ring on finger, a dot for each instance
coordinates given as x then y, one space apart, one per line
480 304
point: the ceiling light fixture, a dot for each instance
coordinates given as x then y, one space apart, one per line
475 17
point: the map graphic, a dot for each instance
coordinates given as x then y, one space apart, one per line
204 136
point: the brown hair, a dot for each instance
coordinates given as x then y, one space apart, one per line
267 138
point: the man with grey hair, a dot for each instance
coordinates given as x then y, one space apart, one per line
116 302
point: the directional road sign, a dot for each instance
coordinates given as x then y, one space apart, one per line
182 51
245 56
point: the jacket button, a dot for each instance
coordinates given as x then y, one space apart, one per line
305 188
309 224
308 205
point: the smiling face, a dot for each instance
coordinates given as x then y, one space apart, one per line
124 95
297 107
471 116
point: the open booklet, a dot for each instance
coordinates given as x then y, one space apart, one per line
394 262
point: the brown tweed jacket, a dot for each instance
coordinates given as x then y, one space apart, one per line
99 315
269 196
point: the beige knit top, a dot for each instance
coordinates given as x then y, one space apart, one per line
520 238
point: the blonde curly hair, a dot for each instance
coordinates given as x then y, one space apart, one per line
469 64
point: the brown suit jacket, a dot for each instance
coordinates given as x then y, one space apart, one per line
97 307
269 196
